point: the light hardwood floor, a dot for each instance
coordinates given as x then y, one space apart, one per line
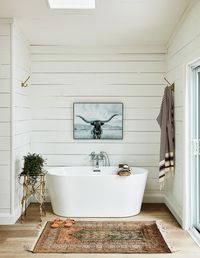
15 239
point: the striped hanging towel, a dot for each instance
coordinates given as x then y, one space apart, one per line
167 146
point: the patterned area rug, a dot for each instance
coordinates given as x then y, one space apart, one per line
102 237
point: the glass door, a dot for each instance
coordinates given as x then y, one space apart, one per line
195 155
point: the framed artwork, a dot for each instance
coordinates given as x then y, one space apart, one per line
98 120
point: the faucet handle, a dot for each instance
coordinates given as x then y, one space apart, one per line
101 154
92 154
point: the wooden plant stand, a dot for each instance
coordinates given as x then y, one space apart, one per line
36 190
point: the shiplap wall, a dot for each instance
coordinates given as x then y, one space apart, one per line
183 48
61 76
5 118
20 106
14 116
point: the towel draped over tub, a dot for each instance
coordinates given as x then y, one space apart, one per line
165 120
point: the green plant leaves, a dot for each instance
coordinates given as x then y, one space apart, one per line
33 165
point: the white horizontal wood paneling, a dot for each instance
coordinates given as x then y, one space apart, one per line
76 159
67 113
81 80
116 51
67 102
21 100
5 45
5 128
20 108
5 158
4 29
5 114
67 125
5 143
84 87
21 139
4 71
21 113
5 117
183 48
22 127
5 100
101 57
67 136
97 67
88 147
62 76
6 170
5 56
5 86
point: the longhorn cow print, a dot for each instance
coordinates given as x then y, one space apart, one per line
97 126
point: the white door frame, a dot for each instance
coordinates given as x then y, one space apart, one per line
187 195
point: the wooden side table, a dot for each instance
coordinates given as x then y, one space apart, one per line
35 189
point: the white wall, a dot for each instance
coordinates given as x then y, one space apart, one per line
5 118
14 117
183 48
61 76
21 108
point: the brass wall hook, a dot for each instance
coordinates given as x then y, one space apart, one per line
167 81
171 85
25 84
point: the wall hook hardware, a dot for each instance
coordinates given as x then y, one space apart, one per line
25 84
171 85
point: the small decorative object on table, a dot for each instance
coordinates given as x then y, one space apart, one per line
33 182
124 170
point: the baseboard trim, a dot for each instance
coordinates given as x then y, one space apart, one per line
153 197
174 209
195 235
9 218
149 197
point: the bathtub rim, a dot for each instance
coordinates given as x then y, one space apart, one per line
51 171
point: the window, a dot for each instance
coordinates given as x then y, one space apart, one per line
71 4
192 176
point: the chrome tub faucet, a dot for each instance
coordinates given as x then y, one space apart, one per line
100 157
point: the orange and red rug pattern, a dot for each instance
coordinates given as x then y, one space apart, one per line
102 237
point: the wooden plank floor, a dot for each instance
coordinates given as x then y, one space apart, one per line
15 239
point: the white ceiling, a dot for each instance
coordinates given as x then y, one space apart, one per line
113 22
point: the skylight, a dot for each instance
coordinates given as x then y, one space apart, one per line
72 4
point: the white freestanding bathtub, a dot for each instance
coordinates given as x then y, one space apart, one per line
96 192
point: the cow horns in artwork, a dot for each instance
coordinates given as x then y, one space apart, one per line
97 129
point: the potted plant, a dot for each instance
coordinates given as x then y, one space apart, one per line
33 167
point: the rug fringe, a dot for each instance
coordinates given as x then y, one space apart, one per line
163 231
30 247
